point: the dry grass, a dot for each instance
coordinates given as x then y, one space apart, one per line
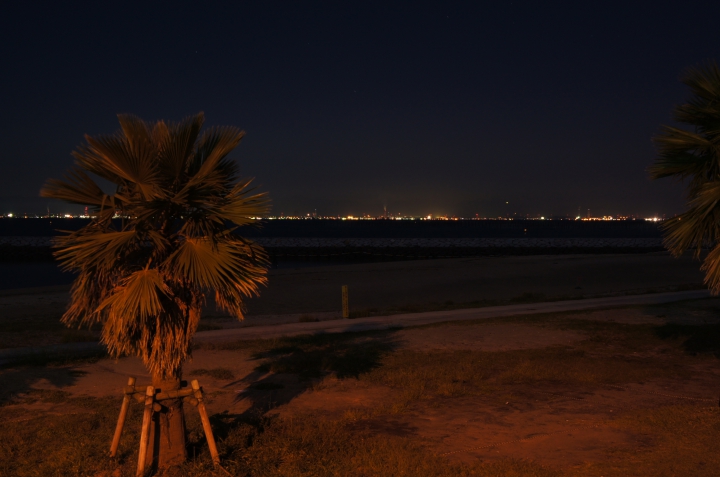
683 439
307 445
428 376
60 445
684 442
217 373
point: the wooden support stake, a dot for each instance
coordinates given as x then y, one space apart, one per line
139 397
206 422
345 304
123 415
147 416
177 394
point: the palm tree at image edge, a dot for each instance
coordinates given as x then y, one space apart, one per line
693 155
145 278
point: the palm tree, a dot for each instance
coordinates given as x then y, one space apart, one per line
694 155
145 277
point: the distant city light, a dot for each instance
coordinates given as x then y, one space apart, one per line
385 215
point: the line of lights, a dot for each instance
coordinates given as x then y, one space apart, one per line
11 215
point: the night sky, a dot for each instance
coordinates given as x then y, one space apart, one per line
423 107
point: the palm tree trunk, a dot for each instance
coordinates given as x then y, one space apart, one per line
166 446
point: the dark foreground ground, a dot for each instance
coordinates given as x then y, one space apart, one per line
618 392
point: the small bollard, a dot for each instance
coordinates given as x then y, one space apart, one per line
345 305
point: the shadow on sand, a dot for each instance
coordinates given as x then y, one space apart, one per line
696 339
293 365
16 382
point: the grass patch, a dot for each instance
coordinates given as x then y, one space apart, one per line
606 357
676 440
77 444
72 444
679 440
448 374
682 441
217 373
311 446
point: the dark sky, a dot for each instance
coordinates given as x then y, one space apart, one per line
426 107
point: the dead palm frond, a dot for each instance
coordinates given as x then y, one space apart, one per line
145 278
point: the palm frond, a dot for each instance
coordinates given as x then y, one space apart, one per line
241 207
137 167
704 81
711 267
213 265
89 290
146 281
96 250
139 137
91 160
176 144
695 155
138 295
674 140
77 188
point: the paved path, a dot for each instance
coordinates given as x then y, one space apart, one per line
373 323
414 319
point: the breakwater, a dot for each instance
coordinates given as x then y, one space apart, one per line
418 248
30 240
32 249
394 229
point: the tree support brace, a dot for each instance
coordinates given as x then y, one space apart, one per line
192 395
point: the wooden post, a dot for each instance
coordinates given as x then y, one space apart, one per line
345 304
149 400
205 422
123 414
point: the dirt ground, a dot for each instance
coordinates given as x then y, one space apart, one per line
555 424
